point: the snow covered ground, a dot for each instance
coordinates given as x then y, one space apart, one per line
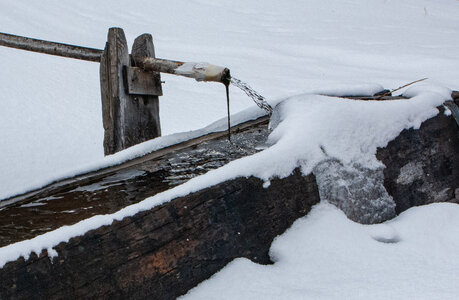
50 115
50 122
326 256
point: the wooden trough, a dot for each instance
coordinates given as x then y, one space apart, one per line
163 252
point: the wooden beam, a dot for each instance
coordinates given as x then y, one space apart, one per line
52 48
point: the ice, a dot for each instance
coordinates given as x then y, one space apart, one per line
358 191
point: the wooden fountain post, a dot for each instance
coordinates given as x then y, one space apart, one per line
130 104
130 84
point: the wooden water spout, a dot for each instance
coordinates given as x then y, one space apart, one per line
130 83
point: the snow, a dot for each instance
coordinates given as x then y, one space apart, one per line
410 172
326 256
51 113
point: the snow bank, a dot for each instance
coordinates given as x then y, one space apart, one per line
308 129
326 256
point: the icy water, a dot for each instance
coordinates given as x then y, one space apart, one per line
122 188
254 95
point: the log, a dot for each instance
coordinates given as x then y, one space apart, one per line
422 166
52 48
164 252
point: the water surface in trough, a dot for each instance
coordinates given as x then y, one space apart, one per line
124 187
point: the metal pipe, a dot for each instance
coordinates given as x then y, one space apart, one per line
52 48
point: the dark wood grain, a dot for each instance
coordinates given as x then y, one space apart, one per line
163 252
428 158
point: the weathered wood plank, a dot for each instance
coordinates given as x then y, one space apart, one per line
142 112
163 252
141 82
52 48
113 90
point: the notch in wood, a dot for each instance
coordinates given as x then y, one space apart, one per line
141 82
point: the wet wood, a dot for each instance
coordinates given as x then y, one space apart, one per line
164 252
52 48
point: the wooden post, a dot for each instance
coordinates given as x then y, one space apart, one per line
145 107
130 116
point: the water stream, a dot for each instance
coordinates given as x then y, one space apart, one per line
259 100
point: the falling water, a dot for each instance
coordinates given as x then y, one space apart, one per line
228 110
257 98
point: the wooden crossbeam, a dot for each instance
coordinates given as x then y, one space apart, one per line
52 48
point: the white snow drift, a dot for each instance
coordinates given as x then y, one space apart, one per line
326 256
